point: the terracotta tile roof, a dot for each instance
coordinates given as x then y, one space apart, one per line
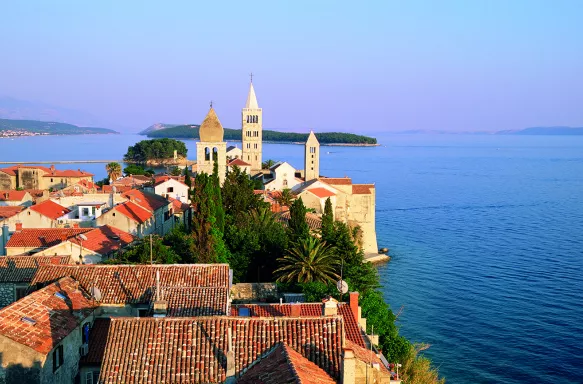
97 339
362 189
321 192
306 309
314 221
9 170
336 180
283 365
150 201
132 180
118 188
50 209
87 184
162 179
66 173
105 239
366 355
9 211
189 302
35 193
193 350
12 195
239 163
178 205
43 237
21 269
133 211
42 319
134 284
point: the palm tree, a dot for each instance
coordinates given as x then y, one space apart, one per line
113 171
310 259
285 198
267 164
263 218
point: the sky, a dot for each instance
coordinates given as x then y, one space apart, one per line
353 66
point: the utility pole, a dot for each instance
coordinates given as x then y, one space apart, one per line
151 258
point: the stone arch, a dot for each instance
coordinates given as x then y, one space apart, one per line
207 153
215 153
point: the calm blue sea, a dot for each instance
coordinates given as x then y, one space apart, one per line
485 232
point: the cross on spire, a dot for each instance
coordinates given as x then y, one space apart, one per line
251 74
211 103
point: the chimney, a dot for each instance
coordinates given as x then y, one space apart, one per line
63 236
329 306
348 366
18 226
160 306
55 260
353 301
53 168
4 239
230 358
75 225
296 309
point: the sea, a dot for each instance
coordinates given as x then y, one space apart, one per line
485 234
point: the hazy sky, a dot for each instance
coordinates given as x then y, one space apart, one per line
353 66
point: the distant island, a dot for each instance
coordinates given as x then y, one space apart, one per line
157 152
16 128
325 138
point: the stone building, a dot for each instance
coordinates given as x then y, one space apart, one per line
211 147
37 177
41 215
252 131
42 335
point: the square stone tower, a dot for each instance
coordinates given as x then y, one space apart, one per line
211 147
312 157
252 131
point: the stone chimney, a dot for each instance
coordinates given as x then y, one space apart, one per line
160 306
329 306
353 301
296 309
230 358
53 168
55 260
348 366
76 225
18 227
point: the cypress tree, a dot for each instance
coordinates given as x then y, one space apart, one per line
327 221
297 225
187 179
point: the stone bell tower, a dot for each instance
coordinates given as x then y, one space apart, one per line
252 130
211 147
312 157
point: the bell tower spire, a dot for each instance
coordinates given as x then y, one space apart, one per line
252 130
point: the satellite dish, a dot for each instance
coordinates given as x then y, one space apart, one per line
95 293
82 237
342 286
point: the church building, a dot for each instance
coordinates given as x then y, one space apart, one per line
211 147
252 131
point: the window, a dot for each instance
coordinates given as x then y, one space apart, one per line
170 189
51 180
85 212
207 153
285 183
85 333
143 312
93 211
91 377
57 358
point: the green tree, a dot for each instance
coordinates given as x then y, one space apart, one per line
155 149
175 171
187 179
310 259
297 226
139 253
134 169
285 198
267 164
327 221
113 170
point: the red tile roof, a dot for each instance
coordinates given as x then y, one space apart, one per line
12 195
366 355
21 269
97 339
193 350
133 211
150 201
43 237
50 209
162 179
306 309
321 192
178 205
9 211
35 192
362 189
134 284
67 173
283 365
51 318
336 180
132 180
118 188
239 163
189 302
105 239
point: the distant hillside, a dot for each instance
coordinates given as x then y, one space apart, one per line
191 132
25 127
565 131
157 127
15 109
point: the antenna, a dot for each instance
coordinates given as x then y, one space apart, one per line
151 262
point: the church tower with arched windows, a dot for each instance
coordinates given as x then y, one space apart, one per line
312 157
252 131
211 147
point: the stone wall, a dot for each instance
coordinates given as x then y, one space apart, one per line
6 294
247 292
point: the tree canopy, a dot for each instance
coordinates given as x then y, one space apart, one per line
155 149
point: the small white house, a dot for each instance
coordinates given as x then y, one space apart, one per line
282 176
83 212
234 152
169 187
